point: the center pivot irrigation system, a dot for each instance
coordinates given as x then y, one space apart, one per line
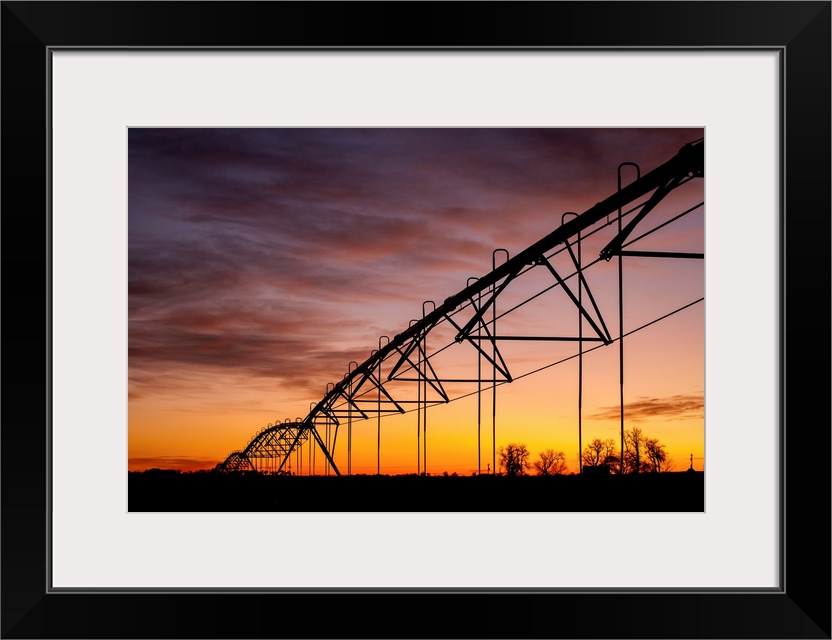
402 373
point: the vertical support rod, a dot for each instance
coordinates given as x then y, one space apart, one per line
479 392
329 387
418 408
378 422
621 339
350 367
580 358
494 363
378 449
312 457
298 455
479 380
424 377
621 315
580 346
378 442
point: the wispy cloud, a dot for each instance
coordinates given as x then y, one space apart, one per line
183 463
676 406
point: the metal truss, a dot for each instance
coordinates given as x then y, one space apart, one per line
269 450
236 462
404 373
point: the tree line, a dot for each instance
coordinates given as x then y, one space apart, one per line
642 454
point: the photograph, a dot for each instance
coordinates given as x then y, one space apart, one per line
501 319
399 309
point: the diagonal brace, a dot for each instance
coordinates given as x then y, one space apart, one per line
478 346
542 260
614 246
481 311
579 271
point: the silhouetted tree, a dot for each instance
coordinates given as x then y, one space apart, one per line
599 453
514 459
644 454
634 451
551 463
657 455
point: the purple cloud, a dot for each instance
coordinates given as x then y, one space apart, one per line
275 253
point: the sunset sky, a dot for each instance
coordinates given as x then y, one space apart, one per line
263 261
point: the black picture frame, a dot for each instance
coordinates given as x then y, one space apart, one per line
800 608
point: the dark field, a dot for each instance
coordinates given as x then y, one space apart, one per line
172 491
